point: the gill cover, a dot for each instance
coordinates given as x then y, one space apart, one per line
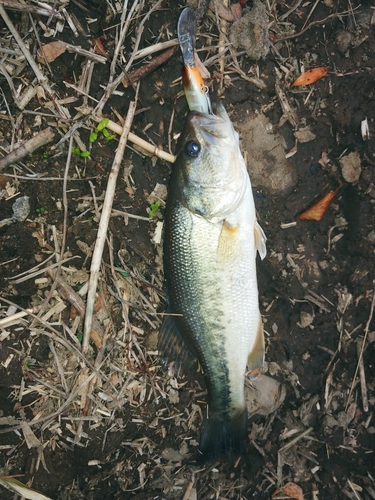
214 176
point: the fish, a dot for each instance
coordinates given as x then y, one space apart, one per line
211 239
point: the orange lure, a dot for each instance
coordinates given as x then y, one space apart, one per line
195 90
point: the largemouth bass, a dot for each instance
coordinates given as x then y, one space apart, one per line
211 237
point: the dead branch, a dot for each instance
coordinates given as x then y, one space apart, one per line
146 69
362 376
75 300
103 226
360 355
157 47
39 75
150 148
40 139
46 11
77 49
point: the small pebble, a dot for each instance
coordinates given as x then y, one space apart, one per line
351 167
343 41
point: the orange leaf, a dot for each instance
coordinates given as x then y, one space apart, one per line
317 211
99 47
290 490
51 51
310 76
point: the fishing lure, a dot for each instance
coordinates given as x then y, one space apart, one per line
195 90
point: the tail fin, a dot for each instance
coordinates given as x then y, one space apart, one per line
222 438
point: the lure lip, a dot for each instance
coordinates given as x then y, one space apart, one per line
186 33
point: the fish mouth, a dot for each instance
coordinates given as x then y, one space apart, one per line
211 129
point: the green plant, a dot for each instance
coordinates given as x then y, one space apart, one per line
101 127
154 207
82 154
39 210
123 273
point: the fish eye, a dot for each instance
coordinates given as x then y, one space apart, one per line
192 148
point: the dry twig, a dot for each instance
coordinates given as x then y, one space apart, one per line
150 148
103 226
360 354
40 139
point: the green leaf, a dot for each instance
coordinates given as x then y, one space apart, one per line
110 137
154 207
102 124
76 151
45 155
85 154
125 274
105 132
93 136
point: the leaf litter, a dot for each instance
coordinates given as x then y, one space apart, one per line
108 401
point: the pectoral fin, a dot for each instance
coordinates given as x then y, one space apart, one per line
228 245
260 240
255 359
172 348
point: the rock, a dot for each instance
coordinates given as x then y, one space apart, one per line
330 422
268 168
304 134
351 167
264 396
159 193
343 40
250 32
306 319
21 208
172 455
371 237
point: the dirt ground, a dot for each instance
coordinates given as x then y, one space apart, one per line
133 432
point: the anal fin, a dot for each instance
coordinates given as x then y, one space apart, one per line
255 358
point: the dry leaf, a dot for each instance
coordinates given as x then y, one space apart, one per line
310 76
95 337
289 490
317 211
99 47
31 440
304 134
51 51
228 13
13 485
324 160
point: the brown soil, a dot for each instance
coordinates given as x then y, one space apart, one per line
146 449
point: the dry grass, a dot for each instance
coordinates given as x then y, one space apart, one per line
89 378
